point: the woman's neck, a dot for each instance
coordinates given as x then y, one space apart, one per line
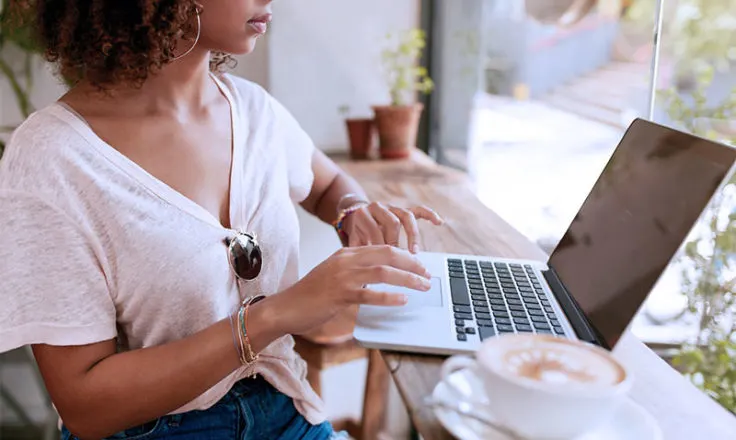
180 86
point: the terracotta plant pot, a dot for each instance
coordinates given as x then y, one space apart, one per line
397 129
360 132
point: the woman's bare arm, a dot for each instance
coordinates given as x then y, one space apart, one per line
99 393
330 185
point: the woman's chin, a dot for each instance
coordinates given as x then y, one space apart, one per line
246 47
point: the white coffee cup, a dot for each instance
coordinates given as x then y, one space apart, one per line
543 387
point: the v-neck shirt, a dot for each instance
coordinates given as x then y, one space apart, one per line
93 247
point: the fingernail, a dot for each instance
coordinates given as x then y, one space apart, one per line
404 299
425 284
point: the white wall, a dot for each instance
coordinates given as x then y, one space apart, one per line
326 53
318 56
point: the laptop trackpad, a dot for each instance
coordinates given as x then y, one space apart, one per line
417 298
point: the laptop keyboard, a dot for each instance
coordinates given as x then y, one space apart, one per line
493 298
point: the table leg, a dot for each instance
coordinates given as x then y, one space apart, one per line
376 396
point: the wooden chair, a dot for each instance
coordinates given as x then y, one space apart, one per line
325 350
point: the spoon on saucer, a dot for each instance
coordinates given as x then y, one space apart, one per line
465 410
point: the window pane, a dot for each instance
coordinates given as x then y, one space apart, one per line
696 92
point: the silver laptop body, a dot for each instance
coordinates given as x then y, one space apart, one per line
643 206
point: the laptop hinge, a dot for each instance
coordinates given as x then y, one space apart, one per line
579 322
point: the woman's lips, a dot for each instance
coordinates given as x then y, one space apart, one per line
260 23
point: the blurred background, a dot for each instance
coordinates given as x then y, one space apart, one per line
530 96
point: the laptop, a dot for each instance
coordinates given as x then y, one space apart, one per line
643 206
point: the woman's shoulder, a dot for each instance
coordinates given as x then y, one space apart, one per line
250 94
41 151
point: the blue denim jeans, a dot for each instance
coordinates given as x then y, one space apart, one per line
253 409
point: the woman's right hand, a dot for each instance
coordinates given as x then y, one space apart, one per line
340 282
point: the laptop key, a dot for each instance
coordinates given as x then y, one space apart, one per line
554 321
498 308
505 321
544 331
513 301
458 275
536 312
470 330
486 332
459 323
545 302
462 337
541 319
497 302
516 308
540 326
521 321
477 297
549 310
530 301
460 329
459 292
463 309
501 315
558 330
482 316
479 303
484 323
505 328
517 314
459 315
533 306
524 328
483 309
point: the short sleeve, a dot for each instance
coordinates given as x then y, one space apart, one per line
52 286
299 150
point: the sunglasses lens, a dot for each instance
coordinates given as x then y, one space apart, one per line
245 257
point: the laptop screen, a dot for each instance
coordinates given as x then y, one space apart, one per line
642 208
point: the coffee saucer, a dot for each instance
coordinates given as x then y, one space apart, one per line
631 421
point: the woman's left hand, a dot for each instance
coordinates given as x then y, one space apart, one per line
376 224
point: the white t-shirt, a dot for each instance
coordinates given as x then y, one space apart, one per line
93 247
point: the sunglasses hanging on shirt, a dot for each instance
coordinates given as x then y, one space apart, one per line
245 256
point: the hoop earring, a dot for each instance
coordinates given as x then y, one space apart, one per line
196 39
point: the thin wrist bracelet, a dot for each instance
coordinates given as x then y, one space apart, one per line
356 199
339 223
248 357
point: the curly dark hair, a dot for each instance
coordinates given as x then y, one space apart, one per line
109 42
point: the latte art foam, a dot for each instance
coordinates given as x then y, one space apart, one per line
557 362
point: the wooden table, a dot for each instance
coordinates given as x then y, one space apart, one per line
683 412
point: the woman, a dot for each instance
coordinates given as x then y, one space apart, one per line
130 257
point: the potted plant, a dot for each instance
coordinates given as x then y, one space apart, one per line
18 48
397 124
360 134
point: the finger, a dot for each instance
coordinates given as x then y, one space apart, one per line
388 222
354 239
388 256
425 213
377 298
409 222
365 222
392 276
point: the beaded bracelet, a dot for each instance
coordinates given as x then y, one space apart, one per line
339 224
